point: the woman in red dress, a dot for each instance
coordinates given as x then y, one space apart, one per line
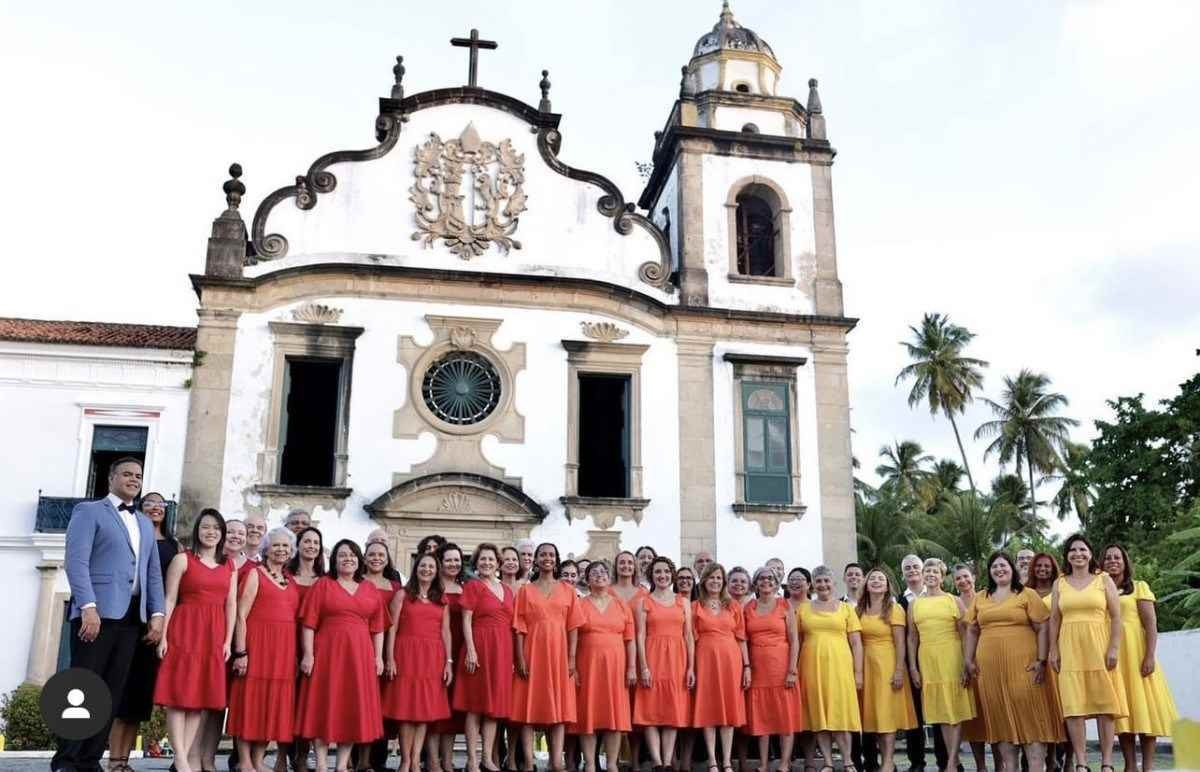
385 577
484 678
773 704
546 619
342 641
201 607
418 668
606 669
441 733
262 700
722 665
665 650
305 568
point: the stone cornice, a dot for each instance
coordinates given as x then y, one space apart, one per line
470 96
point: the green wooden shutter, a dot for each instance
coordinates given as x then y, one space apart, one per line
766 443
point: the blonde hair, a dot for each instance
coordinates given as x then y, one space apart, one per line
935 562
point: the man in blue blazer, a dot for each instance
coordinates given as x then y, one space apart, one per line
116 588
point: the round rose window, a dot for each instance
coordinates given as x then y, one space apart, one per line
461 388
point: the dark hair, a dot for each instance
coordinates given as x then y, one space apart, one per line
1093 564
112 468
485 547
653 552
359 572
807 577
617 557
595 565
535 572
412 588
650 569
208 512
293 565
514 551
389 569
1033 580
161 528
449 546
853 565
567 562
1012 566
433 538
1125 586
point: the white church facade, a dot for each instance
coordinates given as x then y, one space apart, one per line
455 331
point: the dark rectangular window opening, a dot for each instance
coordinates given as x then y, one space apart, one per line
604 436
310 422
108 444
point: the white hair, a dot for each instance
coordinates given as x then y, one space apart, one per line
297 511
912 558
265 546
822 571
524 543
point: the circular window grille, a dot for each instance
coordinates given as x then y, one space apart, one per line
461 388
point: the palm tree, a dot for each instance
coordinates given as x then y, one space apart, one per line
886 530
1026 429
1011 490
972 527
1076 494
942 481
942 376
904 472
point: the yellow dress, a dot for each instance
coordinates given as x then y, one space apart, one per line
1085 686
1151 708
974 730
1052 684
884 709
827 668
944 699
1015 709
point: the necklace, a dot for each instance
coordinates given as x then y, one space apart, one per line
279 578
714 605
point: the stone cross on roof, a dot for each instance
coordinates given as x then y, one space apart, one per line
473 43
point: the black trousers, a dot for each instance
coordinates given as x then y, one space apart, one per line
864 751
109 656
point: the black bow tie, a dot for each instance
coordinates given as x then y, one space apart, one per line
127 508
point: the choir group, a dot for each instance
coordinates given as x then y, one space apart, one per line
351 655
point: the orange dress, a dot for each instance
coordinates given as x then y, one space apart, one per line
667 701
547 696
602 701
719 698
771 707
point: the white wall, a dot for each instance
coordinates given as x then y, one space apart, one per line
1177 658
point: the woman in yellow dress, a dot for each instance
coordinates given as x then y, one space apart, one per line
1006 654
973 732
1043 575
1151 708
831 667
887 705
1085 638
935 658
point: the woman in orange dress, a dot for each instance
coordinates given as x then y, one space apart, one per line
606 667
773 704
665 651
547 618
722 665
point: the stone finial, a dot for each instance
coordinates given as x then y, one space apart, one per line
544 85
398 73
814 99
233 187
816 116
684 87
726 12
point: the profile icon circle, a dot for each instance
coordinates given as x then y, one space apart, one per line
76 704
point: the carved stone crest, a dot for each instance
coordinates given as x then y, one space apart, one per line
468 193
462 337
456 501
315 313
603 331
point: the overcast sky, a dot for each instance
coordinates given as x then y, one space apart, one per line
1030 168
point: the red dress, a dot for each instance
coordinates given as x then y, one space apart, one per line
262 703
547 696
192 674
339 701
602 702
488 690
719 698
417 695
456 722
771 707
667 701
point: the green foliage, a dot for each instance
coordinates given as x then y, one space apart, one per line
887 531
904 469
155 730
1075 494
23 727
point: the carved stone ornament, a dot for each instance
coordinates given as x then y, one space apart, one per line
462 337
315 313
456 501
603 331
468 193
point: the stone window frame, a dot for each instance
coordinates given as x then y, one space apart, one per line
604 358
759 368
773 195
313 341
93 414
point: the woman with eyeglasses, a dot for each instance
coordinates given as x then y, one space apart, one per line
773 703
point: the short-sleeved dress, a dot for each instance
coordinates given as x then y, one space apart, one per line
452 724
884 709
827 668
667 702
602 702
944 700
1085 686
262 702
771 707
1152 709
547 696
192 675
719 698
488 690
339 701
1015 709
417 694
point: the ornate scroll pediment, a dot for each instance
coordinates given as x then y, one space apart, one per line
468 193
